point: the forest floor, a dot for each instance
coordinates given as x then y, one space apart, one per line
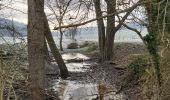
91 79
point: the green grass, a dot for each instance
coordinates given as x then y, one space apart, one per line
72 46
91 49
84 44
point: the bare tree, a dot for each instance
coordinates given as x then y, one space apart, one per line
101 27
110 33
59 10
111 28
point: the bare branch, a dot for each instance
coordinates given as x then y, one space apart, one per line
89 21
138 33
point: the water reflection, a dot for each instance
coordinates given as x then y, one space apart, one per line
76 89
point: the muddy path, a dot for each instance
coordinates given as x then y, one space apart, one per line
89 80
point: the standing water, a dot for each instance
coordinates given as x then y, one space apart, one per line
80 89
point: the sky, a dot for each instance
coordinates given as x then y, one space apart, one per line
17 10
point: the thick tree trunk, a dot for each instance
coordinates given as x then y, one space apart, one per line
110 33
153 38
101 28
36 49
58 58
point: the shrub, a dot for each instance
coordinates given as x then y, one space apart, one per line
92 47
85 44
136 69
72 46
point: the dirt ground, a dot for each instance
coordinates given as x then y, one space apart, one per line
111 73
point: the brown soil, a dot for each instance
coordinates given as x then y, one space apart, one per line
111 74
106 73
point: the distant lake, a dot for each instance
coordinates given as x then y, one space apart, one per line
123 35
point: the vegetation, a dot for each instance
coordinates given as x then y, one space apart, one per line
92 47
89 48
12 72
72 46
136 69
84 44
26 62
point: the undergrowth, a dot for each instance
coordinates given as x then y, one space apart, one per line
12 73
84 44
91 49
72 45
136 69
142 71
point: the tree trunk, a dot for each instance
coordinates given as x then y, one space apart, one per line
110 33
101 28
36 49
47 55
153 39
61 40
58 58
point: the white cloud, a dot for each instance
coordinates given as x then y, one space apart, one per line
16 10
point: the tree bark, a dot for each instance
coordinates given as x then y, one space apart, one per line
153 38
110 33
111 29
36 49
101 28
47 55
61 40
58 58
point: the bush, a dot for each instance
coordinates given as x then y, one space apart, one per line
72 46
85 44
136 69
92 47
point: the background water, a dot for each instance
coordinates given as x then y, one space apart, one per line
81 33
89 34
